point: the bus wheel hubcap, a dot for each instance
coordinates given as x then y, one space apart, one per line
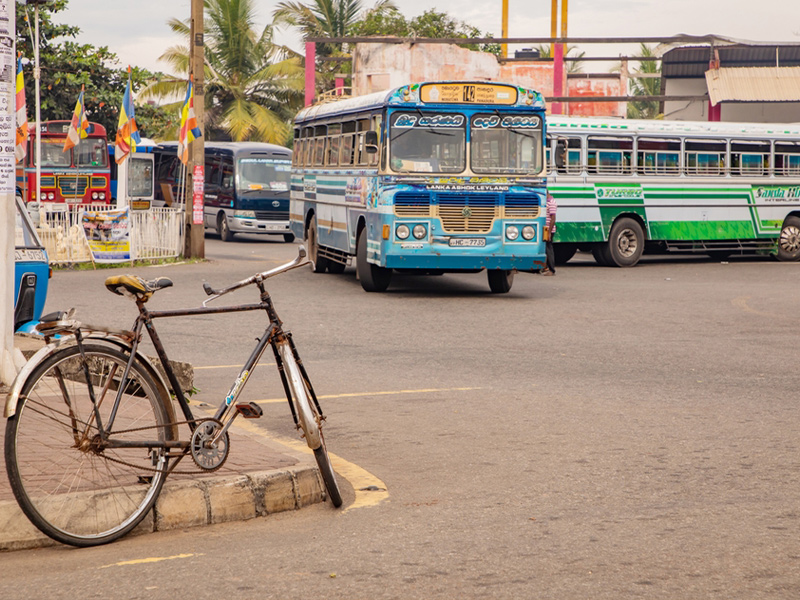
627 243
790 239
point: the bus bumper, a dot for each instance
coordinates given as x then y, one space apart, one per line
444 257
241 225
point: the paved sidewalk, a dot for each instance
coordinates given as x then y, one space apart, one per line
259 478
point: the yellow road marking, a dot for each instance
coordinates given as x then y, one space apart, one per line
385 393
154 559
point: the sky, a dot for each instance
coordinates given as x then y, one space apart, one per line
137 31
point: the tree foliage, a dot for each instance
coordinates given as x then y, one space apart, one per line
252 86
67 65
645 86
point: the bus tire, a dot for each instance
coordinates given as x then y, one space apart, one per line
288 238
625 243
225 233
318 263
372 277
336 267
563 252
599 252
789 240
500 280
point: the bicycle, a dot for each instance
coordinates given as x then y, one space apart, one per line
90 421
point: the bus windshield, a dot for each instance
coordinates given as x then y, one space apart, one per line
92 153
506 143
53 154
426 142
257 173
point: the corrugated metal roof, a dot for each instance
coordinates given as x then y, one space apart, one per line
692 61
758 84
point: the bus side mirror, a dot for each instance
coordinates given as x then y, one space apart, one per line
561 154
371 142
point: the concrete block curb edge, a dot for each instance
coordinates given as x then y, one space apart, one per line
183 504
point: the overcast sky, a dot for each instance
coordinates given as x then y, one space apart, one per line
136 30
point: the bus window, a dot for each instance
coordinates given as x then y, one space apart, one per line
428 142
256 173
346 152
92 153
319 151
749 157
787 158
53 154
705 157
507 144
658 156
572 164
333 151
606 154
227 177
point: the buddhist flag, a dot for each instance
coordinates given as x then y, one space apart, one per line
79 127
127 131
189 130
22 114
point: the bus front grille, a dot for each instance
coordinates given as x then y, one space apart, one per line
412 204
522 205
468 213
272 215
67 184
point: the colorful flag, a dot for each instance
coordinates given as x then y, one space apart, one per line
127 131
22 114
79 127
189 130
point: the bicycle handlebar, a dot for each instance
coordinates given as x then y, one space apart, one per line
258 277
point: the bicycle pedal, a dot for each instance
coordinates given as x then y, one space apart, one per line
251 410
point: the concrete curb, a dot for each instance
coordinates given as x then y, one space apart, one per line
183 504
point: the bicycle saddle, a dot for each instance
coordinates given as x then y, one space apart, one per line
135 287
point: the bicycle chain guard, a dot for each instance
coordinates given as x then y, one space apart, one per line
206 453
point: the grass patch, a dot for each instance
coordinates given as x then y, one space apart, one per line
144 262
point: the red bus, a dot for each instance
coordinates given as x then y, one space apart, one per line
78 176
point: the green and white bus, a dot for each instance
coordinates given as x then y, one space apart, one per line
624 187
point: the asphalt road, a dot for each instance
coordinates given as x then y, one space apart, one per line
604 433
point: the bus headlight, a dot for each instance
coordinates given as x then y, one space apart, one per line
512 232
403 232
50 196
528 232
102 195
420 231
95 195
244 214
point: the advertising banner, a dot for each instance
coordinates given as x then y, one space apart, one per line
108 234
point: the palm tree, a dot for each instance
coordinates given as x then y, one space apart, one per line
645 86
253 87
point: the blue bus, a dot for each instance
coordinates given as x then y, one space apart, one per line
426 178
246 188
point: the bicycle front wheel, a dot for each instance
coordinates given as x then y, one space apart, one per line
71 482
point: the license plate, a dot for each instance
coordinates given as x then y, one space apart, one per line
274 227
472 242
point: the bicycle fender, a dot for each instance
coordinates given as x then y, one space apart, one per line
13 396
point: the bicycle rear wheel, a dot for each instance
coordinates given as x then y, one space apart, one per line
310 420
69 483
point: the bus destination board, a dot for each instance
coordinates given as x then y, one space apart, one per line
468 93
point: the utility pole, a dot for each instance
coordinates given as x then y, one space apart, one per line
195 236
8 182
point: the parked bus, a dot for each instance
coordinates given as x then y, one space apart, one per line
627 186
427 178
78 176
246 186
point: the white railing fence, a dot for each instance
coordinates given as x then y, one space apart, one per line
155 233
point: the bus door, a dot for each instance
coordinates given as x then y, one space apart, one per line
213 181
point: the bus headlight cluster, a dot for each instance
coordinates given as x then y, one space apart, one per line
244 214
49 196
419 231
513 232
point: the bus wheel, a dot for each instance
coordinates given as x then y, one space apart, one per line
563 252
789 240
223 230
318 263
625 243
500 280
599 252
336 267
373 278
288 238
